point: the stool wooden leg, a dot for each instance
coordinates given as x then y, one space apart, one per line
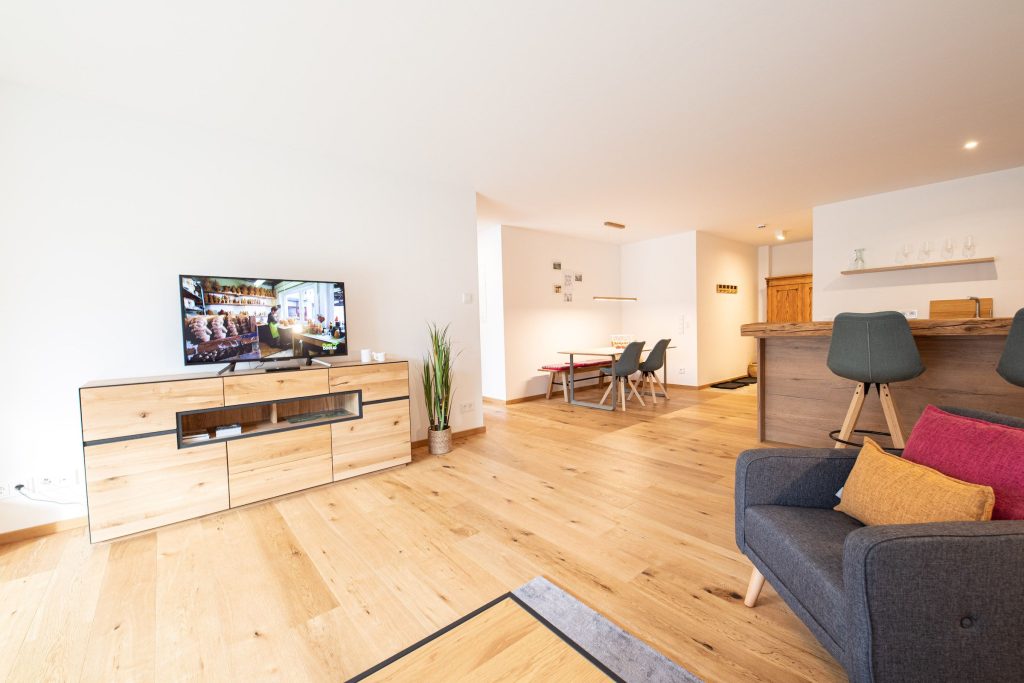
754 587
565 387
891 417
664 391
611 385
551 384
852 415
633 392
650 385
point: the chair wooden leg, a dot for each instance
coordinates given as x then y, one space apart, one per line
892 418
551 384
852 415
754 587
622 392
634 392
664 391
611 385
565 387
650 386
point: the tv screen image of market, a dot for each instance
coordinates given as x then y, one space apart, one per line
230 320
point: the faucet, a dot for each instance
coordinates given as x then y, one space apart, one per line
977 305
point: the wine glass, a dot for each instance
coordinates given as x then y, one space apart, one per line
947 248
926 251
969 247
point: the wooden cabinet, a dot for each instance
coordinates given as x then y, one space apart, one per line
154 455
377 382
276 464
379 440
790 298
139 484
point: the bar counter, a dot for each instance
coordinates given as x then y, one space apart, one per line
800 401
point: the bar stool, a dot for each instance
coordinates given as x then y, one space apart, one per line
1011 365
872 348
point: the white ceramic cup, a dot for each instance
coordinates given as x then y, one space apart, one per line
364 355
379 356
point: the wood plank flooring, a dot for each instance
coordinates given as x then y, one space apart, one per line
632 513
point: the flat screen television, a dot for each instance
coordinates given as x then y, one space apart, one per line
240 319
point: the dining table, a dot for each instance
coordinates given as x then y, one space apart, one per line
612 352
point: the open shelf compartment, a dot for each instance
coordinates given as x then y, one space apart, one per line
197 427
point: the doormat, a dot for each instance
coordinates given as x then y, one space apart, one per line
736 383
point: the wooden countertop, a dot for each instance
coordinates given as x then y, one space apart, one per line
965 327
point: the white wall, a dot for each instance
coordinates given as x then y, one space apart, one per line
722 352
101 210
538 322
492 312
662 274
989 206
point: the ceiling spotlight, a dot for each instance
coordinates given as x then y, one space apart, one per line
617 226
780 235
762 226
971 144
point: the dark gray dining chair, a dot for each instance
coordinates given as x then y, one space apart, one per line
622 371
1011 365
649 369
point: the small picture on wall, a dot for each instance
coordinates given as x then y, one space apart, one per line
558 289
567 280
578 277
556 264
568 297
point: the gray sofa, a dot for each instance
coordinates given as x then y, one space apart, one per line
914 602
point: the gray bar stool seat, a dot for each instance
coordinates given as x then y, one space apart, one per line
1011 365
872 349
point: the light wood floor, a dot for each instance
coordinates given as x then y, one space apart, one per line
632 513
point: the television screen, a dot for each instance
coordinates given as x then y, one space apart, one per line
232 319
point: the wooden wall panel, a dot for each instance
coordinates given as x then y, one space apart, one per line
381 381
274 386
275 464
381 439
804 401
140 484
131 409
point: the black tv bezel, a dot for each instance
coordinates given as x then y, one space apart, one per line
181 306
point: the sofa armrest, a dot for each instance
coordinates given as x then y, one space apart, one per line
942 601
798 477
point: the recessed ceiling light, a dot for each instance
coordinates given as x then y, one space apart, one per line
971 144
780 235
762 226
617 226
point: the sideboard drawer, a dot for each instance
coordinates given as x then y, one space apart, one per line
132 409
140 484
378 381
262 467
274 386
380 439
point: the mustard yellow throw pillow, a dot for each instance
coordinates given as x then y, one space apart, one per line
886 489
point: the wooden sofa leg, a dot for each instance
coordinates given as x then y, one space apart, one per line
754 587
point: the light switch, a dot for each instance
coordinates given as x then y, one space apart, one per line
467 297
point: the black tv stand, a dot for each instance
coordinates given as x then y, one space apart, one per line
229 368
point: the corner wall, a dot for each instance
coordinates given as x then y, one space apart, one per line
102 209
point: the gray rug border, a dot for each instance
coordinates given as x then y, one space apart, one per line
628 657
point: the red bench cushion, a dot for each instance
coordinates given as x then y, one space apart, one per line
564 367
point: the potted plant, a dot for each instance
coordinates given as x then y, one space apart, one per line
438 389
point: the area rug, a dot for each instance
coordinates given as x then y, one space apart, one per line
536 632
736 383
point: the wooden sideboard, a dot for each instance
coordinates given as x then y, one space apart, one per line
146 467
790 298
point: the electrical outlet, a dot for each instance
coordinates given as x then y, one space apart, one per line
66 479
6 490
466 407
911 314
45 481
682 371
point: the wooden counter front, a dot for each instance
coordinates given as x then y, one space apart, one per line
800 401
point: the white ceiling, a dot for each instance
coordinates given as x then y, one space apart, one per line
666 115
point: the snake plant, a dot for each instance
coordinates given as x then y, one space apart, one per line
437 377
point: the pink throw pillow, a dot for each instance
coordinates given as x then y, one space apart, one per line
975 451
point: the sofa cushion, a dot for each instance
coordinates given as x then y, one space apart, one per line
803 547
886 489
974 450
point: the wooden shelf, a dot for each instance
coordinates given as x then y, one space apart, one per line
916 266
